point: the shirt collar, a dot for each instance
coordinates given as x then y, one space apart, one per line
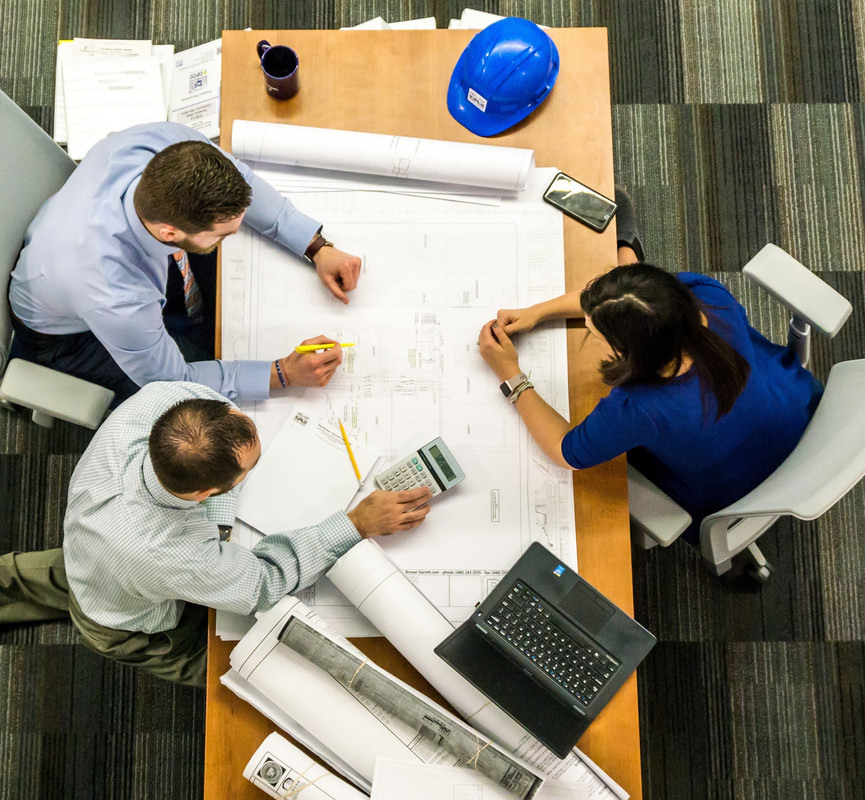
158 492
148 243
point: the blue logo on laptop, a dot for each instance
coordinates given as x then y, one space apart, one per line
559 571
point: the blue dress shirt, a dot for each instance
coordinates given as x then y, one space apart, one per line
89 263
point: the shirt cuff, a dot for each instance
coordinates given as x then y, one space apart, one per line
339 534
253 380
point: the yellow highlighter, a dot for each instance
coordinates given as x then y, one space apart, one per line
350 453
311 348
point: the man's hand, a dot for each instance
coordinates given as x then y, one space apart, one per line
389 512
498 351
338 271
309 369
517 320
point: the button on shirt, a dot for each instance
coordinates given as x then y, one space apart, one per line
90 264
135 553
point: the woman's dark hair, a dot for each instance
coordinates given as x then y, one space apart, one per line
652 322
195 445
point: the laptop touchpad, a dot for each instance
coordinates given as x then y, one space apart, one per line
587 606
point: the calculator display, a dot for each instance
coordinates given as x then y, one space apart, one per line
442 462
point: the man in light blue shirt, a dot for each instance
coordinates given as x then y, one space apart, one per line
144 542
88 291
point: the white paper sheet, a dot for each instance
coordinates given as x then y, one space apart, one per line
400 780
304 475
104 95
398 157
282 770
195 84
433 273
93 48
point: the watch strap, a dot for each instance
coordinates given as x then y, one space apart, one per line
314 246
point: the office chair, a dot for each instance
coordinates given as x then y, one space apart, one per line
32 168
828 461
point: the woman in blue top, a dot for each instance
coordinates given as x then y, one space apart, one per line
703 404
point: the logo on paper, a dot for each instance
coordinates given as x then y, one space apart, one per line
301 419
477 100
198 81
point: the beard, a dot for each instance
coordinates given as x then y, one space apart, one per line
186 244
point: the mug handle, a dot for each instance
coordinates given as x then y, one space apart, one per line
262 47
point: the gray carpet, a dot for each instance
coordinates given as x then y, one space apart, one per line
734 124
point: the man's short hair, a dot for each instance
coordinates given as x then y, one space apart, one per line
194 446
193 186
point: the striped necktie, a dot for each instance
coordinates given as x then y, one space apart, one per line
191 294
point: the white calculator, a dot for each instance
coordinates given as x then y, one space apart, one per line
432 465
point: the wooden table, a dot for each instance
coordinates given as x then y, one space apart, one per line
396 82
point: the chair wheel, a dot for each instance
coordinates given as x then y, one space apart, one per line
762 573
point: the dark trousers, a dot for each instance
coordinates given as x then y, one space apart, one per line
33 587
84 356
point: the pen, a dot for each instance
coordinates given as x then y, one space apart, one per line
350 454
311 348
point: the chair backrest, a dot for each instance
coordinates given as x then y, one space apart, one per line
32 168
828 461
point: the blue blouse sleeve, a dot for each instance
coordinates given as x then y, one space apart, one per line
617 424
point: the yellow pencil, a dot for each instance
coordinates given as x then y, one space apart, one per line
311 348
350 454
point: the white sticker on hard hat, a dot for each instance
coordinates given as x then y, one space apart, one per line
476 100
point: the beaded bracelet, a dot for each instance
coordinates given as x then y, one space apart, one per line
280 375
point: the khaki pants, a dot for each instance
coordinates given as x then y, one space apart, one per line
33 587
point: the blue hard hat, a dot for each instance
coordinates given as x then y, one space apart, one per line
503 75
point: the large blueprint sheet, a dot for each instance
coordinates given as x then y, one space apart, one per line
433 272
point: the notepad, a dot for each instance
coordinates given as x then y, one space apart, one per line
304 476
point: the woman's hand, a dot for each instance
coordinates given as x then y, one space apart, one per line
517 320
498 351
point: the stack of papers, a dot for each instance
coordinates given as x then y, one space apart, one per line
106 85
475 20
378 24
303 476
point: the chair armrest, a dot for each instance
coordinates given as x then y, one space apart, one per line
654 512
54 394
799 289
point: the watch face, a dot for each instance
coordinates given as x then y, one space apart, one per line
506 390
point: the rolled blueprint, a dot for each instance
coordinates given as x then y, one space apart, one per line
398 157
356 728
396 699
282 770
414 626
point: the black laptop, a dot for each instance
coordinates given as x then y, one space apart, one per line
547 648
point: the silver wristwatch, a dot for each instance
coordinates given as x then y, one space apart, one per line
512 384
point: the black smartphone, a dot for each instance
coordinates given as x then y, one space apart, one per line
580 202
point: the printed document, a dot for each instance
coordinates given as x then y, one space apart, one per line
303 476
434 271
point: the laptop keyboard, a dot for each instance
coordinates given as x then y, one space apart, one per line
535 629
